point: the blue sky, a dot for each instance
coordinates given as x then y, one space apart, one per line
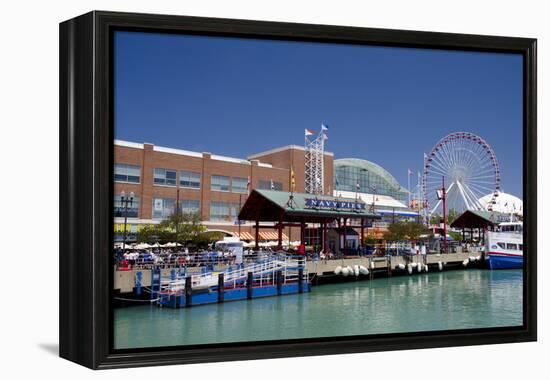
236 97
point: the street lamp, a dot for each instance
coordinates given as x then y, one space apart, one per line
125 200
442 196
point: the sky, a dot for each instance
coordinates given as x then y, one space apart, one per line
236 97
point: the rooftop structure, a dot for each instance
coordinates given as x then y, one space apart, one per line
503 202
358 175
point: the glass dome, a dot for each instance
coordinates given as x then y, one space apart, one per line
371 177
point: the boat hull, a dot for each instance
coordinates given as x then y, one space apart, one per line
498 261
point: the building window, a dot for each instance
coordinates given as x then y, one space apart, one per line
127 173
270 185
239 185
190 206
223 211
119 207
190 179
219 183
165 177
163 207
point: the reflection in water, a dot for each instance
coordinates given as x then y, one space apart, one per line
433 301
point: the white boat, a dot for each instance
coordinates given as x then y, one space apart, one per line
504 248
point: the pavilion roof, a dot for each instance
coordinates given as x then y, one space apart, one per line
271 205
476 219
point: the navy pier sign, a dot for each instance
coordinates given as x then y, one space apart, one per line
335 204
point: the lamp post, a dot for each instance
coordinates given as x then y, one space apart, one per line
442 196
125 200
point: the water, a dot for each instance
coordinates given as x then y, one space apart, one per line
436 301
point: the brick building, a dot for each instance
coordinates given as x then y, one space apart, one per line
216 186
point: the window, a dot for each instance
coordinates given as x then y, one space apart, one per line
266 185
127 173
219 183
163 208
512 246
165 177
190 179
223 211
189 206
120 207
501 245
521 247
239 185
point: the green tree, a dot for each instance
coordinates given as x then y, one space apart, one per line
153 233
405 230
395 232
452 214
185 227
204 239
435 219
413 230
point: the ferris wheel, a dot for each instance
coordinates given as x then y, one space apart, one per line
468 167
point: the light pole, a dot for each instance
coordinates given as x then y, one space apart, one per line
125 200
442 195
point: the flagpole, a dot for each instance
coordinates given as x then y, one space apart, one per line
409 186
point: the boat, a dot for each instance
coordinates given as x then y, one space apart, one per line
504 248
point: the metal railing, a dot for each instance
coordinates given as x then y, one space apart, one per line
263 273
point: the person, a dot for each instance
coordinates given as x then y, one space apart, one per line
119 255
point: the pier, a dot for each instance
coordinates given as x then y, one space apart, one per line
127 281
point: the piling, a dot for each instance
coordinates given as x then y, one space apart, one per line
300 280
138 283
249 281
221 286
188 291
279 282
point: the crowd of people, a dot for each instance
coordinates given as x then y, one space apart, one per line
144 258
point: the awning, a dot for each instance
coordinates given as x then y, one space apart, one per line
271 235
245 235
397 212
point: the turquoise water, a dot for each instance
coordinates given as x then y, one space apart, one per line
459 299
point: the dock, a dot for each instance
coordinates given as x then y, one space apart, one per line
127 281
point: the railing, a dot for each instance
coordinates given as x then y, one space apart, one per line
209 261
190 260
263 273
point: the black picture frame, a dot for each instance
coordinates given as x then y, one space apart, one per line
86 190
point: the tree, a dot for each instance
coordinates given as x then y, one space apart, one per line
204 239
395 232
405 230
413 230
452 214
153 233
184 226
435 219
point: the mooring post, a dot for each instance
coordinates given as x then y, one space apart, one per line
279 282
249 280
221 287
188 291
138 283
300 279
371 269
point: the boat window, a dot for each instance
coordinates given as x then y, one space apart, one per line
501 245
521 247
511 246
